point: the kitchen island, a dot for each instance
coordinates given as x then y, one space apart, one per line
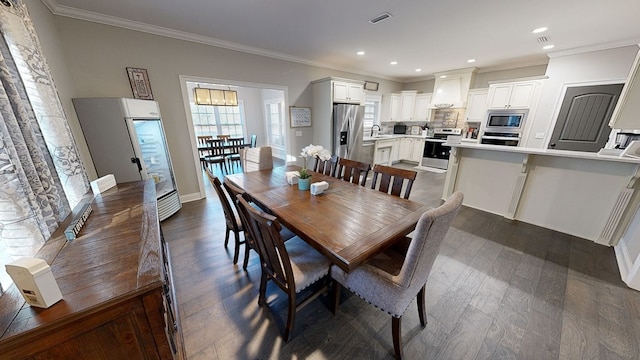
587 195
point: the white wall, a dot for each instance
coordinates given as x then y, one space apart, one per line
602 66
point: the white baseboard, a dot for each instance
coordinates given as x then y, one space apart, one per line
190 197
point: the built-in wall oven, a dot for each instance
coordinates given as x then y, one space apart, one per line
504 127
435 153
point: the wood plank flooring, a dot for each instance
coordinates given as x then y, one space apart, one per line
499 289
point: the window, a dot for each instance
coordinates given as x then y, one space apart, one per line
371 113
218 120
275 123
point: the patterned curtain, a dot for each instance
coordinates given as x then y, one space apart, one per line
41 176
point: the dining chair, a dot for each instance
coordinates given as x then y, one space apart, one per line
223 137
395 177
249 243
293 266
202 148
327 167
232 220
216 154
253 141
393 278
353 171
233 151
254 159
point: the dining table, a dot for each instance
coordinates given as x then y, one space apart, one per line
347 223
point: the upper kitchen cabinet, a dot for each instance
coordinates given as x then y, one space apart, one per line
452 88
626 114
402 105
515 95
348 92
477 105
422 111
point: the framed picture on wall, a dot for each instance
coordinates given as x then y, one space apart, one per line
140 85
300 116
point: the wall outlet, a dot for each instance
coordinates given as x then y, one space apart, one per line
539 135
298 132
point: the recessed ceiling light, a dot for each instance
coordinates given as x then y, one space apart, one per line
394 63
360 53
471 60
547 47
418 70
539 30
443 76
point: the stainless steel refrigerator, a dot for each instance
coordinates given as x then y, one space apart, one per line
347 131
126 138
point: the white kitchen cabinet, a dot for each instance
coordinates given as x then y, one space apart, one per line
418 149
383 151
422 111
348 92
477 105
406 148
625 115
410 149
516 95
402 106
395 151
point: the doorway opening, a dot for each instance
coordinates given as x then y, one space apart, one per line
260 111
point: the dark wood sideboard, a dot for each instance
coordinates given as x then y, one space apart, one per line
115 278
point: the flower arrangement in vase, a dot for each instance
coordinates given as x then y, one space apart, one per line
317 151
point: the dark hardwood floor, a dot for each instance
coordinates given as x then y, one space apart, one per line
499 289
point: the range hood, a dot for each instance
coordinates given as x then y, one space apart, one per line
451 88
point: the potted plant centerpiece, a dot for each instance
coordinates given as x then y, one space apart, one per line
311 151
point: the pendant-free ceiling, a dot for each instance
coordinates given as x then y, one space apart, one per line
215 97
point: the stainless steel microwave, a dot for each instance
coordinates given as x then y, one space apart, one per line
509 120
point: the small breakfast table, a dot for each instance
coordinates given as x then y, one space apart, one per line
348 223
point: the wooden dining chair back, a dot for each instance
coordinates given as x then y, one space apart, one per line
327 167
353 171
249 243
393 179
234 145
233 222
255 159
202 148
223 137
253 141
293 265
393 278
216 154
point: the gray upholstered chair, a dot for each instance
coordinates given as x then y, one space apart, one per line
254 159
392 279
293 266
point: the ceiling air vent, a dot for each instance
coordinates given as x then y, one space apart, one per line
381 17
543 39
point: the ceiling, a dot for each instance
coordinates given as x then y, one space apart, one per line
434 36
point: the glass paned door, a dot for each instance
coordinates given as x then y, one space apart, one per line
154 156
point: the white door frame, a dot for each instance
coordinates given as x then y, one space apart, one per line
187 109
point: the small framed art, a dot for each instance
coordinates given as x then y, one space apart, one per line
140 85
300 116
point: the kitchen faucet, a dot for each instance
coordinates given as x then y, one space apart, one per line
372 128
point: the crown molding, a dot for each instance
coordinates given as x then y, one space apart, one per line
599 47
61 10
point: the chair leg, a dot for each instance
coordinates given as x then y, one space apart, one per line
337 288
421 306
263 289
236 252
247 249
291 318
226 238
397 336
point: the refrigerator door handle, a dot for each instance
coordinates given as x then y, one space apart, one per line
136 161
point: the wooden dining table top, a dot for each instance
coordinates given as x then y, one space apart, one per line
348 223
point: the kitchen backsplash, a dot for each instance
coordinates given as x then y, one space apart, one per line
441 118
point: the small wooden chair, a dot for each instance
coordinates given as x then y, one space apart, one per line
292 266
327 167
232 220
353 171
216 154
233 150
224 138
395 177
202 148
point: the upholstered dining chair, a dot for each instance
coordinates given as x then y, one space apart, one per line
393 278
254 159
327 167
249 243
293 265
202 148
233 153
353 171
395 177
216 154
232 220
